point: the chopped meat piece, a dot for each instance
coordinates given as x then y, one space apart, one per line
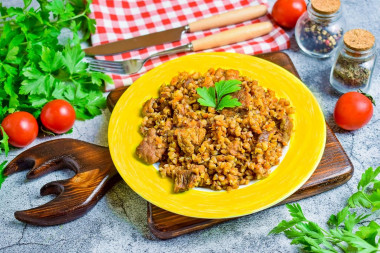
219 74
190 138
286 125
151 148
243 96
190 80
148 107
228 112
184 180
232 74
234 147
264 137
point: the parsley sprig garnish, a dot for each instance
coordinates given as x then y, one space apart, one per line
36 66
346 233
217 97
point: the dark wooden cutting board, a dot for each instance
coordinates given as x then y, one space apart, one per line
334 169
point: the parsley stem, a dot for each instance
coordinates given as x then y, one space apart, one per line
75 17
7 21
341 247
6 16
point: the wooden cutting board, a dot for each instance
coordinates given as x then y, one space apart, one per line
334 169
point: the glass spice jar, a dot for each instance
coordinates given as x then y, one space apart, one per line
319 30
354 63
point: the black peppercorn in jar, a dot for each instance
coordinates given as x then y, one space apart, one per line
354 63
320 29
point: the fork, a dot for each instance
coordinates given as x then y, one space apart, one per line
231 36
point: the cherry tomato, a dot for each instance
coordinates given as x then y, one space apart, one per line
287 12
353 110
21 128
58 116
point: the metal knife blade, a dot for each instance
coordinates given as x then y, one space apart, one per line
151 39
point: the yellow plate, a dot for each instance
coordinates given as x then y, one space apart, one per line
304 153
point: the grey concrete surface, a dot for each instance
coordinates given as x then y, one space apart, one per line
118 221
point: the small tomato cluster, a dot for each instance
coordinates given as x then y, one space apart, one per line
21 127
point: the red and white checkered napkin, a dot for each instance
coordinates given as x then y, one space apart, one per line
117 20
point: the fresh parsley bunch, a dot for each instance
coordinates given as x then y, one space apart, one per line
36 68
347 232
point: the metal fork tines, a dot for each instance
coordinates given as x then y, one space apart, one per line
133 65
116 67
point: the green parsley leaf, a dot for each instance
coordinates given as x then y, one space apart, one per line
4 142
27 3
11 55
336 220
99 77
374 197
228 101
368 177
2 177
207 96
217 97
57 7
362 198
72 57
12 71
226 87
359 199
284 226
369 232
358 243
297 214
50 60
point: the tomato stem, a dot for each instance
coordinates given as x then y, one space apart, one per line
368 96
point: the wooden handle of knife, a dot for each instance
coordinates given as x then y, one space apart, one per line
228 18
232 36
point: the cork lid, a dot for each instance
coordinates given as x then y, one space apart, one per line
325 6
359 39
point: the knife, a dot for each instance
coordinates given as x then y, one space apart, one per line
220 20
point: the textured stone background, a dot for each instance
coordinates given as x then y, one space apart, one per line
118 222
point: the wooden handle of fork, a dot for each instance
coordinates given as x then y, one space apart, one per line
232 36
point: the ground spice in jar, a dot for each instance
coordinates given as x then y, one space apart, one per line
350 72
354 63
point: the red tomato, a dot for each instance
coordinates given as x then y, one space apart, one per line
21 127
58 116
353 110
287 12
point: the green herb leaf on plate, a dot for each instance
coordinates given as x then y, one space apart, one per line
228 101
217 97
207 96
226 87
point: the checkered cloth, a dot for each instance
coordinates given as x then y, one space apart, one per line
117 20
